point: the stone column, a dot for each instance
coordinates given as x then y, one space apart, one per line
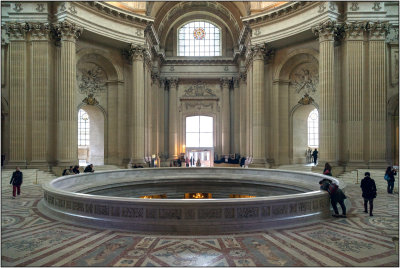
67 121
149 106
161 114
41 71
17 98
328 119
111 156
138 105
225 137
274 134
353 79
123 130
236 116
173 118
242 111
258 106
377 93
155 112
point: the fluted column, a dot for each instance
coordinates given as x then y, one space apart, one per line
242 112
236 116
274 131
123 144
225 139
173 118
155 112
161 115
353 109
138 105
328 119
67 142
17 98
40 85
258 106
149 115
377 93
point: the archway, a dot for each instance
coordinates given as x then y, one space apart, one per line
300 133
90 135
199 140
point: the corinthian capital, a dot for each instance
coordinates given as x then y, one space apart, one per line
173 82
67 31
378 30
326 30
224 82
354 30
39 31
16 30
136 52
258 51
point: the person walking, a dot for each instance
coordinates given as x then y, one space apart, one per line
368 188
315 155
389 177
336 195
16 181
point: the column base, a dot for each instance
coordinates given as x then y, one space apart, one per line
40 164
379 164
15 163
259 163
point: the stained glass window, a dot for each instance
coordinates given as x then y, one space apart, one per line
199 131
83 128
199 38
312 124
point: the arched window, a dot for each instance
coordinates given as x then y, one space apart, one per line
83 128
312 125
199 38
199 131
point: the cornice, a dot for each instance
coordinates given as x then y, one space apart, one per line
279 12
117 12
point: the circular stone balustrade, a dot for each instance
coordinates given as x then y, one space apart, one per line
66 199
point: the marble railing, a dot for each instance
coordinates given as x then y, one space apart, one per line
64 199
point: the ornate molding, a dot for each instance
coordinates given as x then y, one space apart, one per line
91 79
354 6
40 31
262 52
326 31
243 77
224 82
306 100
378 30
354 30
90 100
198 90
16 30
173 82
305 78
136 52
67 31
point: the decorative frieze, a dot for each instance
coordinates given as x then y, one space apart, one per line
326 31
378 30
39 31
17 31
67 31
198 90
173 214
354 30
210 213
248 212
132 212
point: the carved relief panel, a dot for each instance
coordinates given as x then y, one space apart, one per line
91 81
304 81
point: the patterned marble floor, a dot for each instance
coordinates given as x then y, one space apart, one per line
31 239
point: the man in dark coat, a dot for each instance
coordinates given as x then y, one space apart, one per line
336 197
16 181
89 168
368 192
315 155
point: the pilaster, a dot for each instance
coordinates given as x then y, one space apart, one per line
236 116
354 97
225 137
138 105
328 123
17 99
173 119
67 142
242 112
377 93
41 72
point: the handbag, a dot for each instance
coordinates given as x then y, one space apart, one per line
387 177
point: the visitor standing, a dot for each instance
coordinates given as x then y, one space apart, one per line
16 181
198 163
389 177
315 155
368 188
336 195
187 161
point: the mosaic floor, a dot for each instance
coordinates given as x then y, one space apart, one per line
31 239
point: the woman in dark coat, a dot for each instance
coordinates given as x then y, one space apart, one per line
391 173
368 192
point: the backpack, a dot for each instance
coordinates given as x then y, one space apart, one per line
64 172
332 188
387 177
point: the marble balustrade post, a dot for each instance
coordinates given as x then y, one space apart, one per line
41 71
17 98
242 112
353 91
328 118
137 103
258 106
67 115
377 93
225 133
173 119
